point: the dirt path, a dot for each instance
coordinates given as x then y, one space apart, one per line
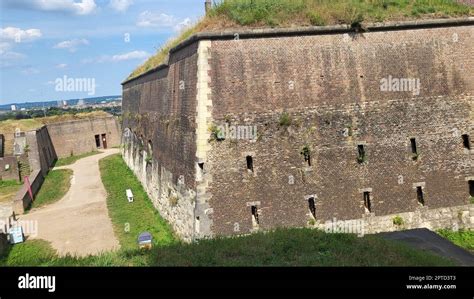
79 223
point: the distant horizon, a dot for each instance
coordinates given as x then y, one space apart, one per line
46 101
82 48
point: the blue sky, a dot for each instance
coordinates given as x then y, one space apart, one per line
43 40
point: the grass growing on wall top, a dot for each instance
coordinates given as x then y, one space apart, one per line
237 14
327 12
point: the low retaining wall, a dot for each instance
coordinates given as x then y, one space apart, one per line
3 243
22 199
457 217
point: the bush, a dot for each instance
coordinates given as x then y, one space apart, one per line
316 20
285 119
173 200
216 133
398 221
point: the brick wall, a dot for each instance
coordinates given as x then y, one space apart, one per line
12 172
330 87
22 199
41 154
2 145
159 112
78 137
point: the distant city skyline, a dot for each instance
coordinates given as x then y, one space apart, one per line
92 44
53 103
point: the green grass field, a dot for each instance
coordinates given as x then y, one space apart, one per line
131 219
8 189
282 247
462 238
72 159
55 186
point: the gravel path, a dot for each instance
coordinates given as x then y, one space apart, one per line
79 223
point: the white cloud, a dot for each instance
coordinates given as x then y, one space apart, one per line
130 55
4 47
120 5
12 56
133 55
9 58
186 23
82 7
10 36
19 35
154 19
72 44
30 71
61 66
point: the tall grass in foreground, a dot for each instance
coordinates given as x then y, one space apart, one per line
282 247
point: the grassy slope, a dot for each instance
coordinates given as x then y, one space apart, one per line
283 247
131 219
8 189
33 252
235 14
462 238
55 186
72 159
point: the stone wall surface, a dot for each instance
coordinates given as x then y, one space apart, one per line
330 86
318 96
455 218
78 136
2 145
9 168
159 137
22 199
41 151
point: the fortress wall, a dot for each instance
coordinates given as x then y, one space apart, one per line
255 75
330 85
41 153
159 122
78 137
